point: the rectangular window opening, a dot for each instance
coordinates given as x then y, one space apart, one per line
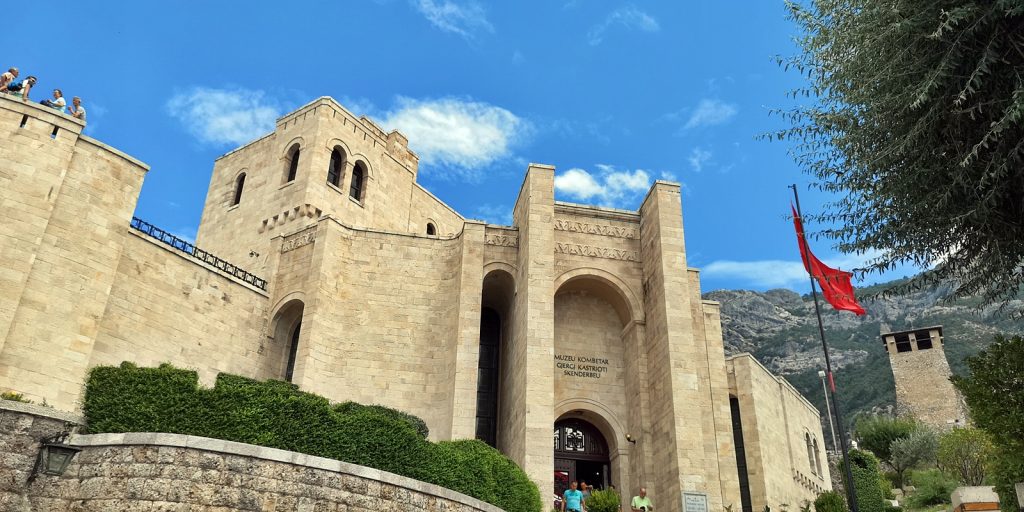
903 343
24 120
53 135
923 339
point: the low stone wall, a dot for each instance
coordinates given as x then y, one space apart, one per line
172 472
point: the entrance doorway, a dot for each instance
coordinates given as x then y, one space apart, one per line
581 453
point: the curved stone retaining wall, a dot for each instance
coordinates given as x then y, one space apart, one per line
172 472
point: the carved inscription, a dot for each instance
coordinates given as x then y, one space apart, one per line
502 240
595 229
596 252
298 240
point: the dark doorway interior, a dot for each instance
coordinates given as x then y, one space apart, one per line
293 349
487 377
581 453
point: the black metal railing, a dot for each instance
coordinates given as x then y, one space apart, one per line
197 253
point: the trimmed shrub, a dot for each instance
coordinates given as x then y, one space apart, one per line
278 415
604 501
830 501
867 480
932 487
415 422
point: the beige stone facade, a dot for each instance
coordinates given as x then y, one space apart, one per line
921 373
574 317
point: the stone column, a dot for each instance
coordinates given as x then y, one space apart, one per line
720 413
677 360
530 370
466 350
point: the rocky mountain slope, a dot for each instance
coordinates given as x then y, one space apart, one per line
780 329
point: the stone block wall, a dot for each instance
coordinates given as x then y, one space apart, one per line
271 206
921 375
775 421
171 473
167 307
72 199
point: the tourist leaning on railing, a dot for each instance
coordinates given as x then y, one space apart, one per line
58 102
7 78
77 111
20 89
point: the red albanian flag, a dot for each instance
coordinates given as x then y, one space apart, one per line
835 283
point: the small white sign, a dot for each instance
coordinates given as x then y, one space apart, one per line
695 502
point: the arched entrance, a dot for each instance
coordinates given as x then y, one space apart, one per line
287 328
581 453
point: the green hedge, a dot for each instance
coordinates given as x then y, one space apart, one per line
867 481
278 415
830 501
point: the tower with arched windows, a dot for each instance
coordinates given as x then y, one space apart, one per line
574 340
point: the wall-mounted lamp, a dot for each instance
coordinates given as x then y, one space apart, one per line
630 439
54 455
254 254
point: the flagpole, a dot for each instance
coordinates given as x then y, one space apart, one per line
851 494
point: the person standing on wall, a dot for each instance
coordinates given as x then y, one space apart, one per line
641 503
572 500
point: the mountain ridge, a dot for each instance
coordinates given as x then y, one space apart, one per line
779 328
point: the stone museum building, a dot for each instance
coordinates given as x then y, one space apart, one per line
575 341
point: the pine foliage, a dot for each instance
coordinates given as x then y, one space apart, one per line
917 126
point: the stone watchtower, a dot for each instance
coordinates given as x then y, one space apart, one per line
921 372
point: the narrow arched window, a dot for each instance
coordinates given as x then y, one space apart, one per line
810 451
334 169
293 163
431 230
239 184
358 179
817 455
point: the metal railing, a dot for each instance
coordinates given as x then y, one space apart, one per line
197 253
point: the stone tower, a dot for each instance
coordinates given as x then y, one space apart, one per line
921 372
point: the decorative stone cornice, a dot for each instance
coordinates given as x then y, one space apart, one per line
502 240
597 229
299 240
597 252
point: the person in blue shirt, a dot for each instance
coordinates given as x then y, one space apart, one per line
572 500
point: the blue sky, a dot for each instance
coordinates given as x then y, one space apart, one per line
614 94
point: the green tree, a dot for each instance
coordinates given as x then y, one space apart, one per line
994 392
867 481
877 433
916 125
830 501
604 501
912 451
964 452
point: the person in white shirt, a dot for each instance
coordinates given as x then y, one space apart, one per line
77 110
20 88
7 78
58 101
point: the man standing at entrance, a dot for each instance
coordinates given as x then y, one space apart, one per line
572 500
641 503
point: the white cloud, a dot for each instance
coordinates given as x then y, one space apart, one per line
698 157
709 113
492 214
465 19
608 186
225 116
629 17
779 273
461 134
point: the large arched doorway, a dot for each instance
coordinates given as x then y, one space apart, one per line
496 307
581 454
287 328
